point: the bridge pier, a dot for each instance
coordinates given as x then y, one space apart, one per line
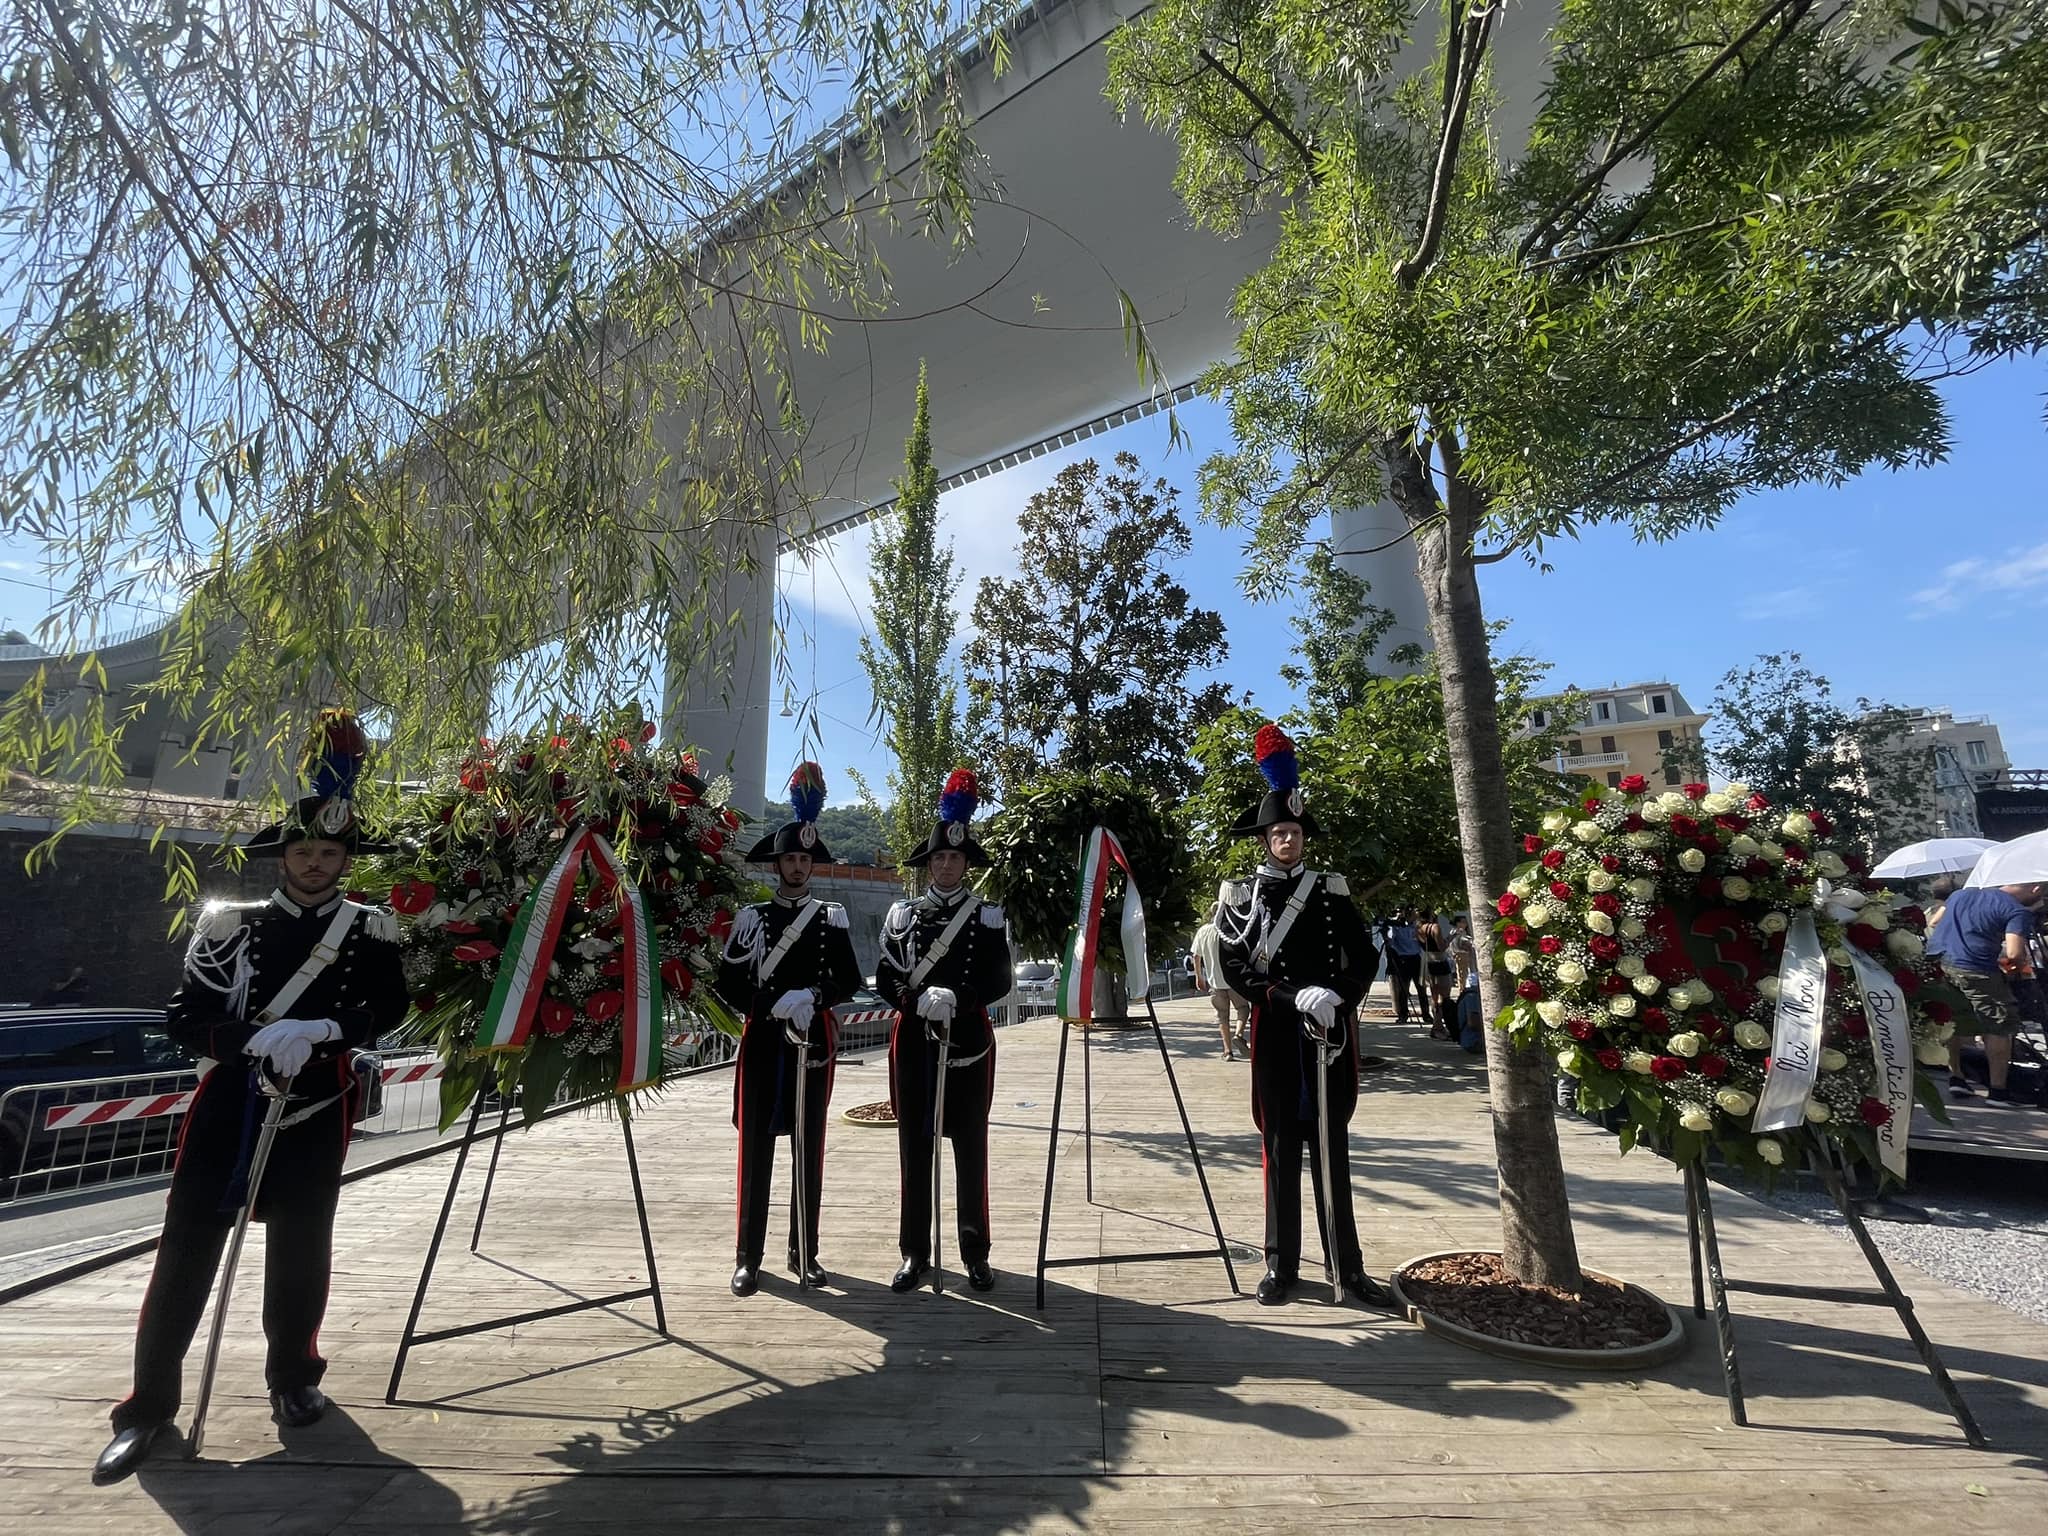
720 669
1372 543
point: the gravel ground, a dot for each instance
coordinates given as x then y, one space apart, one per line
1987 1231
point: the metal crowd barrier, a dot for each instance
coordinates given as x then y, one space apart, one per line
57 1138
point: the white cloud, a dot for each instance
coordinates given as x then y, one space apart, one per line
2022 573
1779 603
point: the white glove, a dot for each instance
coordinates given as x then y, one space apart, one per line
288 1043
1318 1003
937 1003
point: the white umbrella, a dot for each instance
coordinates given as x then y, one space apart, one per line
2022 861
1936 856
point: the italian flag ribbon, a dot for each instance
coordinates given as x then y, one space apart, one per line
1077 965
530 949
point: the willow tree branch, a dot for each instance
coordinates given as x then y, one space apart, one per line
1272 118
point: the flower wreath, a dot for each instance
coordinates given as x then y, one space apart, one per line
1645 938
486 833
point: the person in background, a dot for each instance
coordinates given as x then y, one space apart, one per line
1938 892
1207 951
1465 958
1981 940
1404 963
1434 937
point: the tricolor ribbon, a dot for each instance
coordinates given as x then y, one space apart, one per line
530 949
1077 965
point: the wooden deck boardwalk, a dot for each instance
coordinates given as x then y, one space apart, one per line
1144 1398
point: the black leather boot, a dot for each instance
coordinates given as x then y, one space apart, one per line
1363 1288
1274 1288
980 1276
906 1278
125 1452
296 1407
746 1279
814 1277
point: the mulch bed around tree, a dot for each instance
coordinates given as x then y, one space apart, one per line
870 1114
1475 1291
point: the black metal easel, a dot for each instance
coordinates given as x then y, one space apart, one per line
1707 1275
1222 1248
413 1336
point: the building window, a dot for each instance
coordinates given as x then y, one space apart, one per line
1659 705
1980 755
1664 740
1539 718
1606 711
1614 780
1671 777
1574 748
1606 743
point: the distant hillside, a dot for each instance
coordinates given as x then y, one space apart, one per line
852 833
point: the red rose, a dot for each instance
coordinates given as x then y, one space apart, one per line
1634 784
1613 985
603 1005
523 762
1553 859
710 840
555 1016
1821 824
1667 1069
475 778
1655 1018
1508 905
1863 936
1560 890
1633 822
1604 946
1713 1066
1531 843
1591 802
1550 943
1609 1058
721 925
476 951
1607 902
425 1001
412 897
1874 1114
1684 826
1529 988
1708 885
1610 863
1794 854
1940 1012
1513 935
1579 1029
706 888
1855 1026
1908 981
1757 869
566 810
1758 802
1694 791
621 746
461 927
472 878
1912 917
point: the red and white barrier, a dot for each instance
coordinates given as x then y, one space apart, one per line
865 1016
413 1072
68 1117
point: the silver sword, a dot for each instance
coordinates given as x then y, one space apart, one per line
796 1141
939 1161
257 1162
1323 1162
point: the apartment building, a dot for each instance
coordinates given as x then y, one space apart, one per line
1624 730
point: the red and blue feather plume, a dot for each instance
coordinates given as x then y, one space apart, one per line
1274 753
336 754
807 791
959 799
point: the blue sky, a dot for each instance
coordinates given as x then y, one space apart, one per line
1920 588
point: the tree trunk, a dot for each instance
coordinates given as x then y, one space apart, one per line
1537 1242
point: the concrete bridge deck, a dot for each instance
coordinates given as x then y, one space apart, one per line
1145 1397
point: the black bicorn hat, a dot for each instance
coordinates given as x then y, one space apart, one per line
807 799
953 833
1283 800
334 761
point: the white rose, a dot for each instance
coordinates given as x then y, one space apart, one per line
1645 986
1555 821
1536 914
1638 1061
1830 864
1743 846
1772 922
1655 814
1696 1117
1632 928
1622 1006
1550 1012
1522 886
1599 922
1516 961
1719 803
1771 853
1796 825
1930 1053
1599 880
1686 1045
1642 889
1679 998
1832 1060
1672 800
1767 989
1907 946
1877 915
1630 965
1772 1152
1588 832
1752 1037
1738 792
1692 861
1735 888
1568 1060
1838 956
1818 1113
1735 1101
1570 972
1641 839
1947 1033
